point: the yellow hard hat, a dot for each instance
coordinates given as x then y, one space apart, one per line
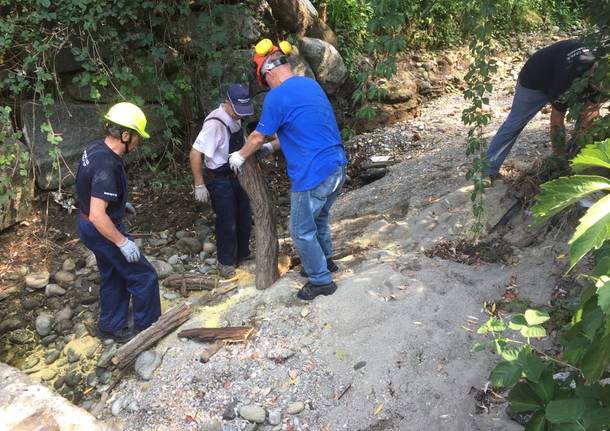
264 47
128 115
286 47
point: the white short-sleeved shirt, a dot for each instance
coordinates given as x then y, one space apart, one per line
213 140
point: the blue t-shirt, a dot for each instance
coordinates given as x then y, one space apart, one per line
101 174
301 115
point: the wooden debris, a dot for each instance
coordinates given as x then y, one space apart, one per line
231 334
210 351
168 321
185 282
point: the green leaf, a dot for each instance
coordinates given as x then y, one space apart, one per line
510 354
602 261
523 399
598 419
505 374
533 331
574 426
565 411
492 325
517 322
594 155
545 386
537 423
531 365
597 358
593 230
603 293
536 317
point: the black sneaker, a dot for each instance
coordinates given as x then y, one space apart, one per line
120 336
330 265
310 291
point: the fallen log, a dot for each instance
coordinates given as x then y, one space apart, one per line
265 230
231 334
191 282
210 351
168 321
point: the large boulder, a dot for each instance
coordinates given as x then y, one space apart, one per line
301 17
77 124
402 88
326 62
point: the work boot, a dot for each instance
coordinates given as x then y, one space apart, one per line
120 335
310 291
226 271
330 265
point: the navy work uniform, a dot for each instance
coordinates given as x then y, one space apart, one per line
231 205
101 174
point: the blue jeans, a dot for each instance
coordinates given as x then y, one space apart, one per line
233 219
310 225
526 104
121 281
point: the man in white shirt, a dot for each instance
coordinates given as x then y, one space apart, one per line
221 135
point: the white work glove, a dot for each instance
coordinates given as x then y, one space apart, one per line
130 209
266 149
201 193
235 161
130 250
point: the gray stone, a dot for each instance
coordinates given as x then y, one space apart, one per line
170 296
295 408
78 124
45 341
90 260
163 269
275 417
146 363
188 245
73 378
37 280
64 278
64 326
51 357
182 234
210 261
54 290
31 303
73 355
69 265
134 407
173 259
48 374
326 62
31 362
203 232
106 357
401 88
253 413
10 325
209 248
117 406
64 314
44 324
229 411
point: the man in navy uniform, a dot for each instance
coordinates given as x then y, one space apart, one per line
101 186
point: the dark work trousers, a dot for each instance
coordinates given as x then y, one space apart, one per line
233 218
120 281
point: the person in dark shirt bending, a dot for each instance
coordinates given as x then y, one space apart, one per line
545 77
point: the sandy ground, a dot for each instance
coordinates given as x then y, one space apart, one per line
391 349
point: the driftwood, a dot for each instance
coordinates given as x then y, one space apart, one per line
230 334
190 282
267 246
210 351
168 321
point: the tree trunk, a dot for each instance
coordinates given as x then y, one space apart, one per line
267 246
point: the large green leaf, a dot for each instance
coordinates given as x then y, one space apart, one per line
594 155
602 261
603 293
563 192
492 325
517 322
533 331
597 358
505 374
597 420
545 386
565 411
523 399
593 230
537 423
531 365
574 426
536 317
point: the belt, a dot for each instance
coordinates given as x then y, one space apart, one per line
85 217
210 174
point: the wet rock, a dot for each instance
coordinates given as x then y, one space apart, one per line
253 413
51 357
44 324
37 280
146 363
45 341
69 265
64 314
31 303
295 408
10 325
64 278
275 417
48 374
163 268
209 247
54 290
189 245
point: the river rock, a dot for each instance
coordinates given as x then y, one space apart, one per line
54 290
209 247
146 363
45 341
173 259
203 232
48 374
275 417
44 324
64 278
69 265
182 234
37 280
31 362
73 378
64 314
31 303
116 408
10 325
210 261
51 357
326 62
253 413
64 327
163 269
295 408
90 260
188 245
105 358
170 296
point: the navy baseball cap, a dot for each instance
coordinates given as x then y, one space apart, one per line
239 96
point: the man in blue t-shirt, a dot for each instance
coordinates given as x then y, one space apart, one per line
298 111
101 188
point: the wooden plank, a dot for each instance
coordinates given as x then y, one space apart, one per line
234 334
